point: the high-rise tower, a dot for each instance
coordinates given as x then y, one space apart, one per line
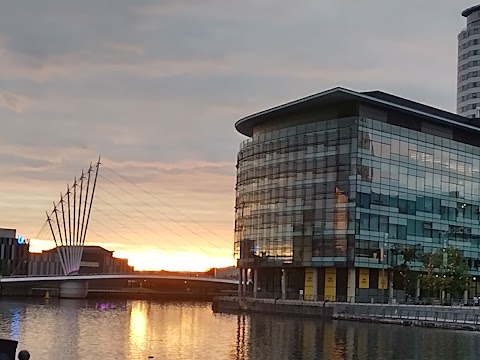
468 76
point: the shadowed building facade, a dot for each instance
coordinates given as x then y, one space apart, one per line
95 260
329 184
14 252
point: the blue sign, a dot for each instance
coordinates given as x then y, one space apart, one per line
21 240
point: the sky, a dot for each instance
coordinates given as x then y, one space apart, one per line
155 87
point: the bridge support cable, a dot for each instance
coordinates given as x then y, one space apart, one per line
49 220
68 257
162 213
143 214
174 245
79 234
84 233
22 265
165 204
70 239
69 217
61 249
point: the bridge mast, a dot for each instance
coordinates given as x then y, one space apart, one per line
49 220
70 252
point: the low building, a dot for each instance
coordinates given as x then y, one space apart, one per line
14 252
95 260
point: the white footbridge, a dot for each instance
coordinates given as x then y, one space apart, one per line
68 223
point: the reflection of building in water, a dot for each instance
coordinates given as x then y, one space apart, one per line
280 336
242 335
333 187
15 328
309 340
273 337
95 260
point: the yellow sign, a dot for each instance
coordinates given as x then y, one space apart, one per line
309 282
330 283
382 280
364 279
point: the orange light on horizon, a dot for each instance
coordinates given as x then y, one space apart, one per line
154 259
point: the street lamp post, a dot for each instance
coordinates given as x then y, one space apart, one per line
444 263
384 259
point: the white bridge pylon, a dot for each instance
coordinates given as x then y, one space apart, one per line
71 215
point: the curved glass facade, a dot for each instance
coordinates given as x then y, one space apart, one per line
333 194
336 192
294 194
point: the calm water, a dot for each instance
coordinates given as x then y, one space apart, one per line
72 329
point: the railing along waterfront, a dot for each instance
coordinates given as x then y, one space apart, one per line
417 313
430 301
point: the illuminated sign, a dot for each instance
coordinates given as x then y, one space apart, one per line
21 240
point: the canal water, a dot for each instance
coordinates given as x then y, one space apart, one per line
87 329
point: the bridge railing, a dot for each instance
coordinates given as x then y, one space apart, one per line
192 275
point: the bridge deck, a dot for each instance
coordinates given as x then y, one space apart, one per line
22 279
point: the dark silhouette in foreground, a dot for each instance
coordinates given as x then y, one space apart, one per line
23 355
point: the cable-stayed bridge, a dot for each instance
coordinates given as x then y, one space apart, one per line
104 207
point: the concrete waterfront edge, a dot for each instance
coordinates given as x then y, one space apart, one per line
431 316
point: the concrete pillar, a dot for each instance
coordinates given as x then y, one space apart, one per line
391 300
240 273
465 297
244 284
255 282
73 289
284 284
351 285
315 284
417 290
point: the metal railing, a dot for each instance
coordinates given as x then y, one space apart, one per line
415 313
373 299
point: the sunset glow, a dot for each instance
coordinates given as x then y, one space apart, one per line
151 258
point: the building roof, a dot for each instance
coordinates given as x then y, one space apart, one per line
377 98
470 10
86 248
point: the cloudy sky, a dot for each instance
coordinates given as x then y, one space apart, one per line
156 86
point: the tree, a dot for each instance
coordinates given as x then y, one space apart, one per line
446 270
406 254
431 263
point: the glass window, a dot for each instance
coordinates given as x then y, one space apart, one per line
403 148
386 151
411 227
383 222
395 146
374 224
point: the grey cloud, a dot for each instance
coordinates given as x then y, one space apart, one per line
13 160
153 82
13 102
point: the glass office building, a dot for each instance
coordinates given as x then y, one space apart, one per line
328 185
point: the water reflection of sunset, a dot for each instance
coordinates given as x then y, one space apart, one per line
138 325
